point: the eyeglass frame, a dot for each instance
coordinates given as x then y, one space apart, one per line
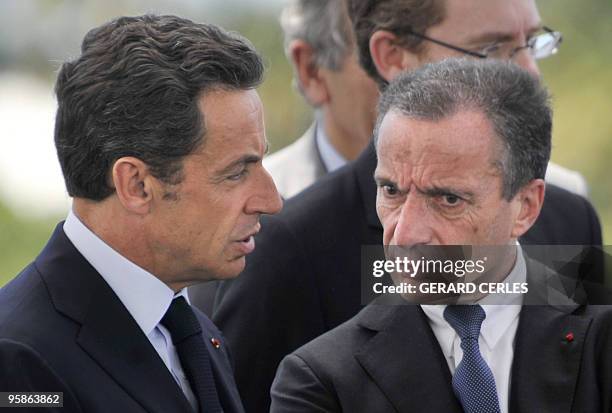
482 55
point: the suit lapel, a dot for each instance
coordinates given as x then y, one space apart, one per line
112 337
108 332
226 386
405 360
547 352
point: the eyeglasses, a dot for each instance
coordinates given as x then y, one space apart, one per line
540 46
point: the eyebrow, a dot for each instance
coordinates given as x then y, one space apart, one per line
500 36
432 192
441 191
380 181
490 37
244 160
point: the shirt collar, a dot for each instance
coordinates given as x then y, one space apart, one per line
499 316
329 155
145 296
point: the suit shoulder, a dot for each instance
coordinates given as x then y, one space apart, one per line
567 201
332 352
600 314
25 296
600 331
340 343
570 207
29 372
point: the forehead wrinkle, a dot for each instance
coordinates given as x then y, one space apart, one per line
440 170
439 154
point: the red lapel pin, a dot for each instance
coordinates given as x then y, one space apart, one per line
216 343
569 337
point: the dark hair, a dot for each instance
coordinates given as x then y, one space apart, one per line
515 102
134 92
396 16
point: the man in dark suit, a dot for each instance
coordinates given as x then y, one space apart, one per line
462 151
303 279
369 364
159 133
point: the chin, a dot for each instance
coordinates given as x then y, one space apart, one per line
231 269
223 271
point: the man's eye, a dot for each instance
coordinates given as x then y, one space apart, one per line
238 176
451 200
491 50
389 190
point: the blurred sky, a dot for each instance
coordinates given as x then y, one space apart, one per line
30 176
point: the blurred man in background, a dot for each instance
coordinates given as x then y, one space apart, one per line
320 45
385 24
304 278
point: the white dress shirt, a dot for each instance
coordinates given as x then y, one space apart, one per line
497 333
144 296
329 155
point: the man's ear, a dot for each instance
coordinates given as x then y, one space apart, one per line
310 79
389 57
530 199
133 184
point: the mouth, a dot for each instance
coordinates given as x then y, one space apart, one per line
247 244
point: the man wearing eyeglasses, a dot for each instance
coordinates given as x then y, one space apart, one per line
303 279
494 29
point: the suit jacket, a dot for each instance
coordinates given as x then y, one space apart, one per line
303 278
63 329
296 166
387 359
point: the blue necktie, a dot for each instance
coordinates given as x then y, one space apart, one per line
473 381
186 334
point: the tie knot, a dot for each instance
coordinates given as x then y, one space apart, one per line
180 320
465 319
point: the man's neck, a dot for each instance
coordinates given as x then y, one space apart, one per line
345 143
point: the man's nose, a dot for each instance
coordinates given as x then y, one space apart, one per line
414 223
267 199
524 58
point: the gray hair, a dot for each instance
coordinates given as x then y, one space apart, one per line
324 25
515 102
